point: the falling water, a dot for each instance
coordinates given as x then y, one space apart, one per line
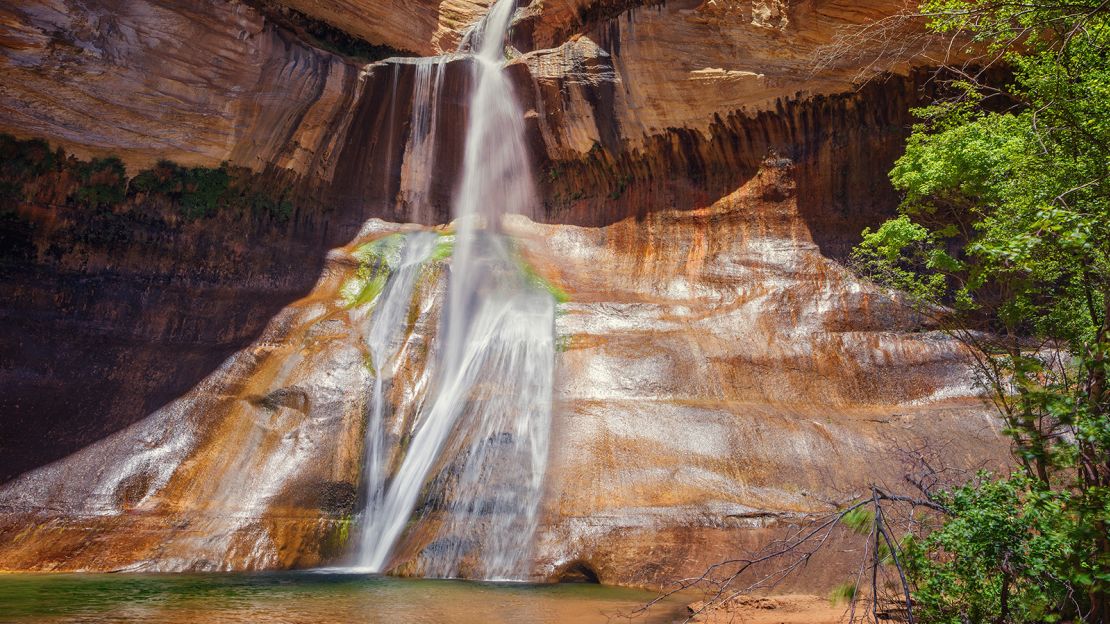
418 166
483 432
383 341
392 124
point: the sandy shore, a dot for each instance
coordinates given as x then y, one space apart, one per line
787 609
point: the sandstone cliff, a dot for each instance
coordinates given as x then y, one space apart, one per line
724 374
195 82
720 379
202 81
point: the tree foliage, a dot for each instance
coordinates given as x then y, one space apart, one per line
1003 555
1004 234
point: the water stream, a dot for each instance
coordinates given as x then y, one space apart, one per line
386 322
419 163
481 438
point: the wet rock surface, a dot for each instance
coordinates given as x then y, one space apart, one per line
720 381
194 399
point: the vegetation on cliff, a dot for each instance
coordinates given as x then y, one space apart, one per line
1004 235
33 173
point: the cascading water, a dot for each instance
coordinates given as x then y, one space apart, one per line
482 434
419 162
383 340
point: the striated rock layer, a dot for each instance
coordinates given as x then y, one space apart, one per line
202 81
423 26
720 380
197 82
722 376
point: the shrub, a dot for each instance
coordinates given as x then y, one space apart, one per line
166 178
25 159
196 192
204 191
103 182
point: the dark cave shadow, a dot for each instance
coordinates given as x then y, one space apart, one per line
91 347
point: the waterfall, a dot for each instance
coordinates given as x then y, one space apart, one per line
482 435
419 162
383 340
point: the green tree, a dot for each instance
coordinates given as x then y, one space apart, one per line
1004 235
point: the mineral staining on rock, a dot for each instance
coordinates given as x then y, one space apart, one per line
717 381
719 374
723 379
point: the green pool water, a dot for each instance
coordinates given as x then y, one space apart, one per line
306 597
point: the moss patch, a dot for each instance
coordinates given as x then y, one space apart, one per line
444 249
536 280
540 281
364 288
377 260
334 544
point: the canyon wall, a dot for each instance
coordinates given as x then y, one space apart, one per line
193 82
190 396
719 381
204 81
200 82
113 312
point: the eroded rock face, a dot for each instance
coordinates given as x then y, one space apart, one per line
723 375
682 62
202 81
422 26
109 316
256 467
723 379
720 381
194 81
